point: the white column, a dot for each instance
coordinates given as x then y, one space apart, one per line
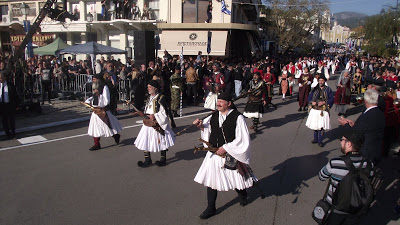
82 12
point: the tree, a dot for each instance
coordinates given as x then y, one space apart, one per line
294 22
381 31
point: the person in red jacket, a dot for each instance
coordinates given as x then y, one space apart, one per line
269 80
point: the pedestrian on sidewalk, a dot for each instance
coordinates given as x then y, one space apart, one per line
8 105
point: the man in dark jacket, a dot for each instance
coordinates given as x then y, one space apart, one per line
8 105
371 124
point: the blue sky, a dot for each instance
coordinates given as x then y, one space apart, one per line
369 7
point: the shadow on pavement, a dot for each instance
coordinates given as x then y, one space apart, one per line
281 121
291 175
186 155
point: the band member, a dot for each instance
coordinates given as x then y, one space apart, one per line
357 81
102 121
269 79
343 92
156 134
226 130
216 83
321 98
304 89
255 105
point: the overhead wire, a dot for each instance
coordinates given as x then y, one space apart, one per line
294 5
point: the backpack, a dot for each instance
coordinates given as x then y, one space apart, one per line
355 192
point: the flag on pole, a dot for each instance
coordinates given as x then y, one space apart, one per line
181 56
224 9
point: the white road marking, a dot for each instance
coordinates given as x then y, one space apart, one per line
81 135
32 139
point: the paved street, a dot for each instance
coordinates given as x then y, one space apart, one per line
58 181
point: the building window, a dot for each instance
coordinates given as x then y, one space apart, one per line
154 5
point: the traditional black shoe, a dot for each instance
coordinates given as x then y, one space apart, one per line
161 163
209 212
144 164
243 201
300 109
117 138
314 142
173 125
305 109
321 145
95 147
340 114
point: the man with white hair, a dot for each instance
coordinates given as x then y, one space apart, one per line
371 124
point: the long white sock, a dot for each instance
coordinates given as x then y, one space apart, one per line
283 96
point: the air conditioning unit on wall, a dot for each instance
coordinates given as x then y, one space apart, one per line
5 19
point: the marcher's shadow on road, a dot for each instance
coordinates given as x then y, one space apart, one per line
292 174
186 155
282 121
291 177
127 142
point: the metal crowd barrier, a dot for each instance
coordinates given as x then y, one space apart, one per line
80 83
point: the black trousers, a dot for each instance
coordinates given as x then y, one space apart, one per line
8 118
192 92
46 87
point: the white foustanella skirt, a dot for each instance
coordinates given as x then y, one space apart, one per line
150 140
317 122
211 101
213 174
97 128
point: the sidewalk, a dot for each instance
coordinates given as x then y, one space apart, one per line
61 112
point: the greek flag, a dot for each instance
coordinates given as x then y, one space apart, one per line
224 9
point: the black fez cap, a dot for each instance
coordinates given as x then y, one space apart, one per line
230 64
178 67
258 73
225 96
322 77
354 137
154 83
99 76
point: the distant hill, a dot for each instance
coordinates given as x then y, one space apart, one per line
350 19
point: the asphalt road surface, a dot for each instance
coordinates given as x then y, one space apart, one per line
58 181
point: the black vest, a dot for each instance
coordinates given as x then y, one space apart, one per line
229 127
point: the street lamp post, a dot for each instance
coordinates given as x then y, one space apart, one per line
89 18
25 11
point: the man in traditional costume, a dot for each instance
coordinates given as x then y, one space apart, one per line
226 130
156 134
102 122
304 89
343 92
255 105
216 84
321 99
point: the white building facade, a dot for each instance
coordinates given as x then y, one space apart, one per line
175 22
